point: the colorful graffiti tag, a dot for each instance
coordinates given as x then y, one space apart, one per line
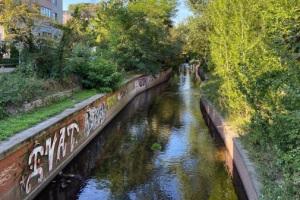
111 101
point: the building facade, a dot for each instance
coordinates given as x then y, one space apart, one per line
67 15
52 9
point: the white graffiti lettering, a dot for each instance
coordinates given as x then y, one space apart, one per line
93 117
73 140
36 170
34 161
50 150
136 84
5 176
62 145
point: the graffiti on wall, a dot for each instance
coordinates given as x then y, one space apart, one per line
35 162
136 84
124 92
150 79
5 174
141 82
111 101
53 150
93 117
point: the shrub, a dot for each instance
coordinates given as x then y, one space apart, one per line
103 75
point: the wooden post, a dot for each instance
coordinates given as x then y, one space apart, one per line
2 67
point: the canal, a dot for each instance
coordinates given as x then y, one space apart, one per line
157 147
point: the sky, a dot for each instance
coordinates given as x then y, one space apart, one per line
182 13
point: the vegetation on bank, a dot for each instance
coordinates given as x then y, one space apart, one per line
15 123
95 49
251 48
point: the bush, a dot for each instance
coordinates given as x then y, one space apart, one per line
103 75
3 113
16 88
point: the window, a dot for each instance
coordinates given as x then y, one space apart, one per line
54 2
46 11
54 15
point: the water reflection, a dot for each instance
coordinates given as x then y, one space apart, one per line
158 147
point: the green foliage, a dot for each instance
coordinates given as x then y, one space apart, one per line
135 35
45 57
254 51
17 88
3 49
14 124
14 53
78 62
3 112
155 146
19 19
194 34
103 75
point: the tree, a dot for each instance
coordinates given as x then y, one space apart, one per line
3 49
75 31
254 46
19 19
134 34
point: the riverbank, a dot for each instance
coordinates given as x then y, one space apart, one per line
245 167
32 158
240 155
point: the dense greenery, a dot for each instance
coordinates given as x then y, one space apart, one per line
98 44
251 48
254 53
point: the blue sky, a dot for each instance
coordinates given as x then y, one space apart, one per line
182 13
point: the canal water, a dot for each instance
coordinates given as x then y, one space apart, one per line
157 147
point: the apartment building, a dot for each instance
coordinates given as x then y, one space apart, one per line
52 9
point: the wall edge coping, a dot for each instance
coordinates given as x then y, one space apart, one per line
22 138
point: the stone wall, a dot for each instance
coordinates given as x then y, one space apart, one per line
244 166
32 158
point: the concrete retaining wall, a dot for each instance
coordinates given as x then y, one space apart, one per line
243 165
32 158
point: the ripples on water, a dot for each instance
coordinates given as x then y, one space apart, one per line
183 163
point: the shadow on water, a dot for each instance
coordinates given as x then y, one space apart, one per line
68 184
237 182
157 147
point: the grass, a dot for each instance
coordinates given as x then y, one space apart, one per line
14 124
